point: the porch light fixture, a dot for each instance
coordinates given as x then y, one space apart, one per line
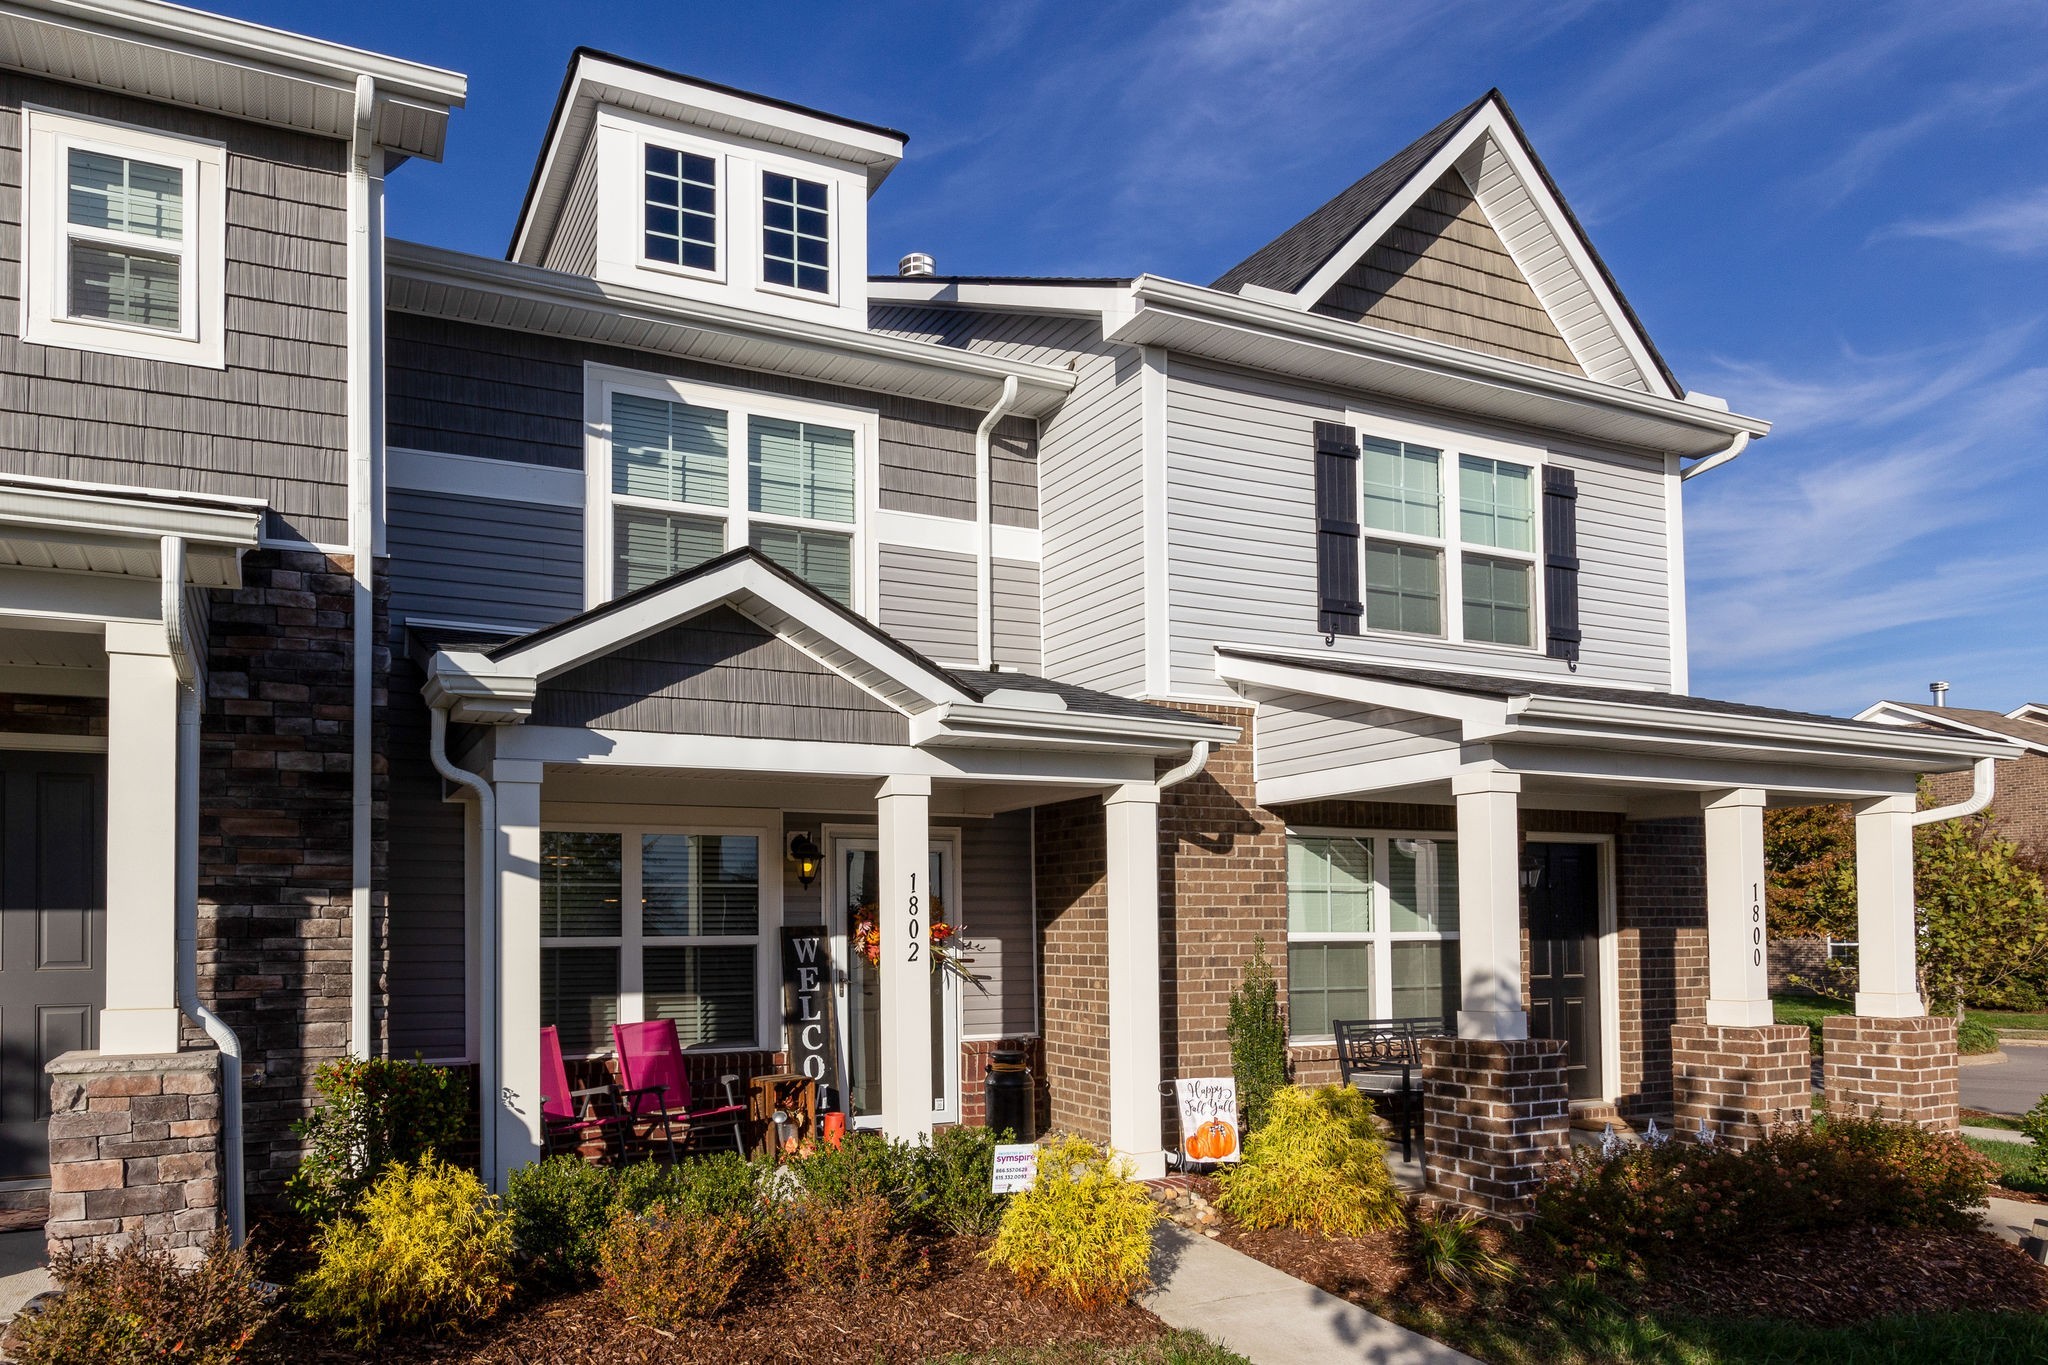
805 855
1532 872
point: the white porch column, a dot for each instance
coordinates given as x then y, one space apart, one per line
1888 973
1131 813
903 842
142 842
1738 981
517 1026
1489 904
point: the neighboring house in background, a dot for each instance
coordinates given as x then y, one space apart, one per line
542 606
2020 810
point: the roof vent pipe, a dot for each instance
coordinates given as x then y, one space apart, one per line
916 266
1940 691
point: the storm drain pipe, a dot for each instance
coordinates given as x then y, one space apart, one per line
1983 781
984 522
182 659
489 1066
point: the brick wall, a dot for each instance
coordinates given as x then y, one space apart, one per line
1071 872
1902 1068
275 835
1493 1115
134 1150
24 715
1662 951
1740 1082
2019 810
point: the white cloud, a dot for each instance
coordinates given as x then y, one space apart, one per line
2017 224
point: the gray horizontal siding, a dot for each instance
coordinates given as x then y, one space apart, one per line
574 246
1016 615
718 674
1299 735
928 601
425 927
475 559
1241 541
468 390
999 929
272 424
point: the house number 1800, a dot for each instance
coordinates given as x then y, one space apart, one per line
1756 925
912 905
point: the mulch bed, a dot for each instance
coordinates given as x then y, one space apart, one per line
962 1305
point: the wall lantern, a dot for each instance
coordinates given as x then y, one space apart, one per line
1532 872
805 855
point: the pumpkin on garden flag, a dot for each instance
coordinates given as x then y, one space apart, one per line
1214 1140
1208 1118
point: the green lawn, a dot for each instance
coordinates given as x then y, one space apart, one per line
2011 1019
2015 1162
1808 1010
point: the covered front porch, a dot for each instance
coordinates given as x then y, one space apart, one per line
658 787
1587 821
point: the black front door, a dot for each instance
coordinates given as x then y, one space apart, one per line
1564 959
53 936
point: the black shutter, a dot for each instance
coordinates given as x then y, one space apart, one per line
1337 530
1561 564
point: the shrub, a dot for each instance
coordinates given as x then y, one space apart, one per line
138 1307
1317 1165
954 1174
721 1183
427 1246
1258 1037
854 1247
369 1114
1452 1250
664 1266
1636 1207
1974 1037
1083 1229
2035 1125
559 1209
863 1165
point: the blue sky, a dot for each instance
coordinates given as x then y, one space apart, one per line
1834 215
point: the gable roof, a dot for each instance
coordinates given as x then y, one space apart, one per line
1962 720
1330 238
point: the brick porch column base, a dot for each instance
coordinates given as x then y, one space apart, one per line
1741 1081
1493 1114
134 1151
1905 1069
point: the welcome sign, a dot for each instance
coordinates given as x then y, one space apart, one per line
1208 1118
808 1017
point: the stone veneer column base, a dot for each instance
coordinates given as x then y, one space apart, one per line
1494 1114
134 1151
1741 1081
1904 1069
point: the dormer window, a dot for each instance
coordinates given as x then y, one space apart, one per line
796 233
681 209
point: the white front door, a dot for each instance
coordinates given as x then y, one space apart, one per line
853 892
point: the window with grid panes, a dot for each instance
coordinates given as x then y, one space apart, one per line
1372 927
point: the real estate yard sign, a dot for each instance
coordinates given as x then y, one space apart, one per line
1016 1166
807 1013
1208 1118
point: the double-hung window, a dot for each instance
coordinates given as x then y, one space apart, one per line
796 232
679 495
640 924
681 208
1434 519
124 233
1372 929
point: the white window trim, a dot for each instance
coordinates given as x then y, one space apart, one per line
630 941
48 137
602 381
1382 936
719 157
765 166
1450 445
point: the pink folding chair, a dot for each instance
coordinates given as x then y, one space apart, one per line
567 1113
656 1086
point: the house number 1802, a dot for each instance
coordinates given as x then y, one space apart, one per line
1756 925
912 906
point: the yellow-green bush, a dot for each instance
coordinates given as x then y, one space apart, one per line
1083 1229
670 1264
426 1247
1316 1165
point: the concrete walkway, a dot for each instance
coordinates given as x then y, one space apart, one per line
22 1270
1995 1134
1270 1317
2012 1219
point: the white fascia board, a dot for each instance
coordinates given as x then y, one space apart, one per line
995 296
1153 293
1040 387
1653 771
1900 716
728 111
479 476
1481 716
108 511
981 722
2033 712
1875 741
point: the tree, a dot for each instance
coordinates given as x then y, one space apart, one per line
1983 916
1258 1037
1810 862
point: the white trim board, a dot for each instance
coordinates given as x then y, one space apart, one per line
479 476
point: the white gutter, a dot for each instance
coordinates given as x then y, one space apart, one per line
365 193
489 1049
1718 458
985 531
1176 775
1983 779
187 889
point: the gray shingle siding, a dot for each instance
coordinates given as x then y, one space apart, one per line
273 423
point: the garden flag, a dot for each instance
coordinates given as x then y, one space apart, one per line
1208 1118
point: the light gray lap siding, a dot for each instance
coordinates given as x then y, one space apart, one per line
1241 541
928 601
272 423
999 929
1299 735
1016 615
482 560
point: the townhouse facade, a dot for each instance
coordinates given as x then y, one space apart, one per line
413 649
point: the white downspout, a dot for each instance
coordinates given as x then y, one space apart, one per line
1718 458
984 522
364 377
182 659
488 1050
1175 776
1982 781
